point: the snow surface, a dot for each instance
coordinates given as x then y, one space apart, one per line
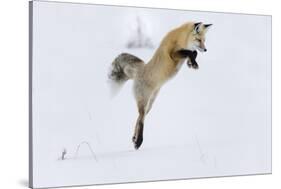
215 121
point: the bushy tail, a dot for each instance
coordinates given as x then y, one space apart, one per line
124 67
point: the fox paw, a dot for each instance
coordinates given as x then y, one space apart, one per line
195 66
189 64
137 140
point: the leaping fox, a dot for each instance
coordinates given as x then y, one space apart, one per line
178 45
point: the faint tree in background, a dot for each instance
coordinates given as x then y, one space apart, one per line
140 40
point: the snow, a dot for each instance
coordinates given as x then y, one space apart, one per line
215 121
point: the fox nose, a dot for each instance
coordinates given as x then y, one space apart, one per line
205 50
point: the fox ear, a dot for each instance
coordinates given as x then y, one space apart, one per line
197 27
207 26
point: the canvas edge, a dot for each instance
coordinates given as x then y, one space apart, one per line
30 53
158 180
270 91
146 7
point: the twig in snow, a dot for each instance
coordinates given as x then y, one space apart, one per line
63 154
90 148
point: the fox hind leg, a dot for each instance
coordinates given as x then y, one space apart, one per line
138 134
144 103
151 101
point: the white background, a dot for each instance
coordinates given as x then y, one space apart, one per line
14 94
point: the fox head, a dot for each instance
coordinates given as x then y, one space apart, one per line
196 40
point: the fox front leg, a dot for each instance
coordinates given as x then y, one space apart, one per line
193 60
185 53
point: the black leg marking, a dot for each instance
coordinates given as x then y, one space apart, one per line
184 53
138 138
194 54
195 66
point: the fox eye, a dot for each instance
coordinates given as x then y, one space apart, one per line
199 40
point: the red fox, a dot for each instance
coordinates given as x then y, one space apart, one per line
178 45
